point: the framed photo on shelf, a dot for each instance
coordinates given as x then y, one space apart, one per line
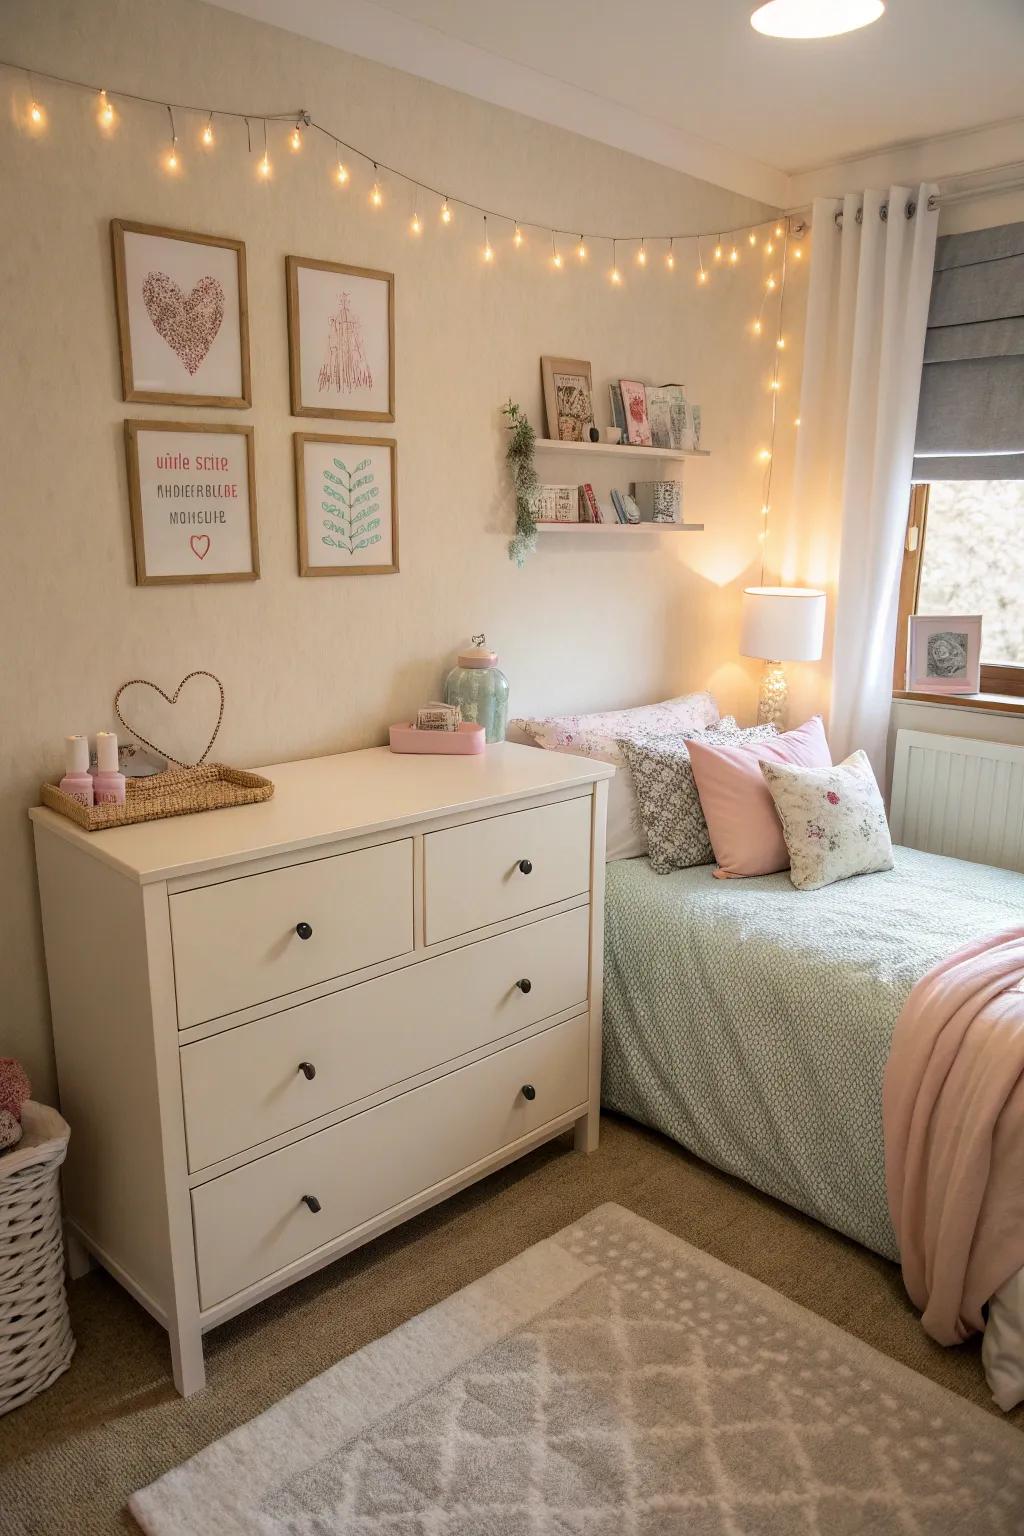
341 340
944 653
192 497
182 316
568 398
346 499
634 401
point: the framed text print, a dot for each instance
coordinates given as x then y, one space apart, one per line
341 339
182 316
346 495
192 493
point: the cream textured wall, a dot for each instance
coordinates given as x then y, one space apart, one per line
319 666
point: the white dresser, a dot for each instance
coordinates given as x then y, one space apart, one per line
283 1028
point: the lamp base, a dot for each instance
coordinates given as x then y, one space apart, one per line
773 699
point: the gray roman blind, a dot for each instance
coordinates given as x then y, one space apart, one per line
970 422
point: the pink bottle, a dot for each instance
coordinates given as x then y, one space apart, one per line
77 781
109 780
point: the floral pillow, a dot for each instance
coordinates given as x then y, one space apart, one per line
833 820
669 805
598 735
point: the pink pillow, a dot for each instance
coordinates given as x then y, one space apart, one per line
743 825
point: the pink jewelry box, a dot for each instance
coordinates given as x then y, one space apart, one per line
465 741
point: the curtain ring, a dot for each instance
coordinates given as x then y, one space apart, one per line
860 214
883 213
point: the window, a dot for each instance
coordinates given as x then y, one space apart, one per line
965 554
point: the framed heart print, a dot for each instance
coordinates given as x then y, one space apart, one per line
182 316
341 340
192 495
346 496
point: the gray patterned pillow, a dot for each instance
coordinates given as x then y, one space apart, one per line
670 810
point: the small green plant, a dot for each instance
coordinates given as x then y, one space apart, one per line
524 478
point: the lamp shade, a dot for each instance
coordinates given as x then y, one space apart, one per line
783 623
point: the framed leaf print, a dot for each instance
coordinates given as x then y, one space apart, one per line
341 340
192 495
346 497
182 316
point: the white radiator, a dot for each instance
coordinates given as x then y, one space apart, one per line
960 797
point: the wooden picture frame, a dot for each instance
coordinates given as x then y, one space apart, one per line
305 510
342 375
168 336
166 559
552 371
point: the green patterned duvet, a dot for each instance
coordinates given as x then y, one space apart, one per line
751 1022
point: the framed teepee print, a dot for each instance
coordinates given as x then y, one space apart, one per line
341 340
346 497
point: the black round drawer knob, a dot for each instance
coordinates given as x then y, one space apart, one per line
528 1091
308 1070
525 867
525 985
303 930
311 1202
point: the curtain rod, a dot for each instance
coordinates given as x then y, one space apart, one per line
943 199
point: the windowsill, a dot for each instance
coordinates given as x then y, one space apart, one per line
1002 703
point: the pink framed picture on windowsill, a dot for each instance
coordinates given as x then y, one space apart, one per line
944 653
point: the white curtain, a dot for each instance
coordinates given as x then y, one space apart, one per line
867 310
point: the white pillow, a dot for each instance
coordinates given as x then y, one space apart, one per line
833 820
598 735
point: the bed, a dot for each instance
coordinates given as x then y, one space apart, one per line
751 1022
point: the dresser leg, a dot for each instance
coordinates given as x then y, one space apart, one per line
187 1360
586 1132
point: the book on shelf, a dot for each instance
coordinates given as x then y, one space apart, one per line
590 512
608 512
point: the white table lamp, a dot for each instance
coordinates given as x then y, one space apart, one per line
780 624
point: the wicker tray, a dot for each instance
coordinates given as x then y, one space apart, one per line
178 792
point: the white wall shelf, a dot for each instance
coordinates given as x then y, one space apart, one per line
623 450
626 529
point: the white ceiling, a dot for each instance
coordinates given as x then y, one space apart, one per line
689 82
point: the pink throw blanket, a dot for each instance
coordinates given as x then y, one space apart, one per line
953 1113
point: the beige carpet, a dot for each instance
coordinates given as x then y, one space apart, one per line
112 1424
611 1378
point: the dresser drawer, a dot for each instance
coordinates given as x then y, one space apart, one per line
487 871
241 942
248 1084
253 1222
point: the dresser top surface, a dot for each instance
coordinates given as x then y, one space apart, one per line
325 799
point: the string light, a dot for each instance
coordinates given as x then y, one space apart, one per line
702 276
797 253
581 249
488 252
781 344
172 161
774 384
416 223
295 137
796 421
36 115
517 238
207 134
778 231
446 213
718 249
734 256
264 165
765 455
615 275
376 195
769 249
771 284
757 327
341 174
106 111
752 238
641 255
556 255
670 259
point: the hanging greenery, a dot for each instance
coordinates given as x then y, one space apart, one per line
524 478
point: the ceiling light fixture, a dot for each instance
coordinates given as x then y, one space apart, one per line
814 18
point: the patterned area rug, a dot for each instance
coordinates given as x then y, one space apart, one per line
611 1381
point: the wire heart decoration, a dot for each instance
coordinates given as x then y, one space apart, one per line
170 698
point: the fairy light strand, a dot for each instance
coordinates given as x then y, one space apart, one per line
774 384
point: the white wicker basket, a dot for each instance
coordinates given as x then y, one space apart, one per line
36 1343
